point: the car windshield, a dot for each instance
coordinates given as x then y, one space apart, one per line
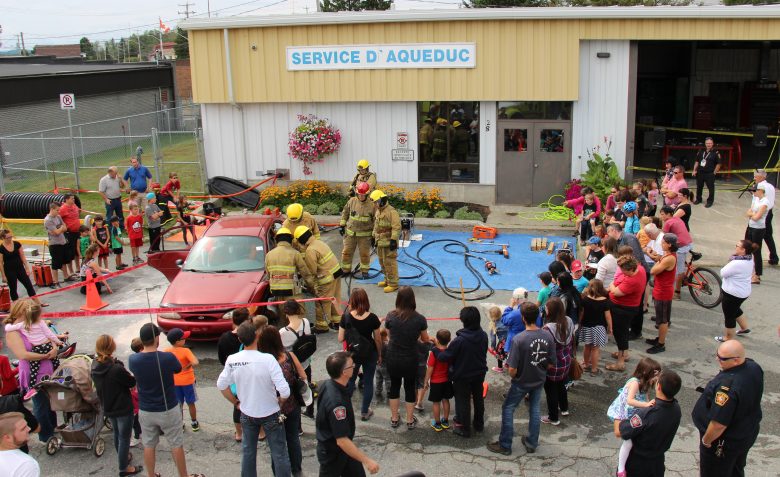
225 254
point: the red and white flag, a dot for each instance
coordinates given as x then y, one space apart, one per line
163 27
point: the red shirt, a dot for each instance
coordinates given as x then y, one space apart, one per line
632 288
70 215
676 226
663 289
170 186
135 226
8 383
440 369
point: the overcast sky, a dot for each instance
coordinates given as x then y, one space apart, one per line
59 22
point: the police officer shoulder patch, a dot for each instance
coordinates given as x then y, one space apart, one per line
721 398
636 421
340 413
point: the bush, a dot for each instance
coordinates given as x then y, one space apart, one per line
464 214
308 192
442 214
328 208
422 213
412 201
311 208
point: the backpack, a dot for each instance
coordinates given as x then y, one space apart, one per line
306 344
357 344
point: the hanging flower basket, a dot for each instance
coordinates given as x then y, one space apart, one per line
312 140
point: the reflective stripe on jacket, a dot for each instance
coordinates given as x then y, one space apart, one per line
358 217
321 261
387 226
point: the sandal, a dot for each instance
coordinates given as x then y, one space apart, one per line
136 470
413 424
596 372
615 356
615 367
395 423
237 438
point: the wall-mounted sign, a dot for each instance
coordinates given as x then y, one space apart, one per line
402 140
402 154
396 56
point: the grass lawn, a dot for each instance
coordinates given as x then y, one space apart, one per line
176 148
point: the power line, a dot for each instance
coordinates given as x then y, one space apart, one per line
187 10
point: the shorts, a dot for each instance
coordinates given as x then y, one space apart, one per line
421 370
168 422
186 394
58 256
137 242
682 254
593 336
663 311
441 391
118 250
732 309
103 252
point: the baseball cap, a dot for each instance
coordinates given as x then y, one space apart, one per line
576 266
595 240
150 196
148 332
176 334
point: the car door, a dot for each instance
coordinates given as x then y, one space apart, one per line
173 251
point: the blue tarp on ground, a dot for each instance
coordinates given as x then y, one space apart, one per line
520 270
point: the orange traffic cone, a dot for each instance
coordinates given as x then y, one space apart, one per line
94 302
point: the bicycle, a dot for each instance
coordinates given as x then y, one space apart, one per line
703 283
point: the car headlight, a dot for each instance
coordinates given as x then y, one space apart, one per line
228 315
170 316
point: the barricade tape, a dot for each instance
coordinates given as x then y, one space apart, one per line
96 279
702 131
736 171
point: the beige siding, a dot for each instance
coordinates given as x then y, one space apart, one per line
534 60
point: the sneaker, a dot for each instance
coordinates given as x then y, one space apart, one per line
497 369
652 341
436 426
496 447
527 445
30 394
547 420
195 426
366 416
658 348
445 424
720 339
134 441
564 413
459 431
419 409
567 385
743 332
333 326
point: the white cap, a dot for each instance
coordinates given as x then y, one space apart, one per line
761 185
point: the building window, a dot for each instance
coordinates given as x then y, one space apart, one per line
448 141
550 110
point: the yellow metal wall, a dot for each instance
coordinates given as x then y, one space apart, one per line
532 60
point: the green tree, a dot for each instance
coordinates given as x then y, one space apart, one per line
87 48
353 5
182 46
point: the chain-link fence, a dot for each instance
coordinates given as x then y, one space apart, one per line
166 140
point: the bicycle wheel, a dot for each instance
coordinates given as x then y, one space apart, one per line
705 287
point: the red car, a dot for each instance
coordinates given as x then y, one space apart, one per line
225 266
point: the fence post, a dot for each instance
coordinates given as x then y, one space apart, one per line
2 171
73 152
81 141
130 134
45 160
156 152
201 158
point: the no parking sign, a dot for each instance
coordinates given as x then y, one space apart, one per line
67 101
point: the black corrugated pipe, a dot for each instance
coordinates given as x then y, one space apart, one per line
29 205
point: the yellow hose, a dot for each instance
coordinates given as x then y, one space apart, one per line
554 211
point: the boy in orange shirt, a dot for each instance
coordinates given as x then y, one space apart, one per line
185 379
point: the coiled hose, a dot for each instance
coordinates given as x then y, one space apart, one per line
555 211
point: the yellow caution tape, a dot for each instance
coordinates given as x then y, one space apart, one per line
702 131
736 171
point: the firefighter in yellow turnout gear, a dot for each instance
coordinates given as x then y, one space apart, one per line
357 226
387 232
297 217
327 273
282 263
363 175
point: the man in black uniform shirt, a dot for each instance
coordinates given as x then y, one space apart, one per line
652 429
338 455
728 413
704 169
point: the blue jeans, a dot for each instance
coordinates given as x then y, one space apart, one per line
292 426
514 397
369 368
43 413
114 207
123 428
277 443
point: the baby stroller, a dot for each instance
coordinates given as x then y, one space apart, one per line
70 390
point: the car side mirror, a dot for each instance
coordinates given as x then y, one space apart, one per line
179 262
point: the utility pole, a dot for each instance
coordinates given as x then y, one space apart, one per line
187 12
24 50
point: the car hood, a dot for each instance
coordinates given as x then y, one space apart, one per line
192 288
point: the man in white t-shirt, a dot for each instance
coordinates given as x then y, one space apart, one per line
13 435
653 248
759 176
258 377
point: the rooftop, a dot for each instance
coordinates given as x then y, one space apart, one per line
11 70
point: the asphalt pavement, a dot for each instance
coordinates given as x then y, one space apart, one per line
582 445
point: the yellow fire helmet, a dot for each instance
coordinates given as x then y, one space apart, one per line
363 164
300 231
455 124
377 194
283 231
294 211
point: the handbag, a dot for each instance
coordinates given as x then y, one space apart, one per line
575 370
